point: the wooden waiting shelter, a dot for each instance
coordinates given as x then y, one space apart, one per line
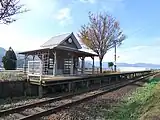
60 55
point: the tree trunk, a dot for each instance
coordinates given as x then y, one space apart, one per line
100 63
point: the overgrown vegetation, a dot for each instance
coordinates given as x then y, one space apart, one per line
143 104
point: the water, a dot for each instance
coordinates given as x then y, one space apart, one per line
132 68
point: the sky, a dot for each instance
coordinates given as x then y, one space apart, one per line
139 20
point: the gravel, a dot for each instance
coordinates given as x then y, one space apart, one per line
94 109
15 103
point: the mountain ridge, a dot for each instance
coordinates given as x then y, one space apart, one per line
2 53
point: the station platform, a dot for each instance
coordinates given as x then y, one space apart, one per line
48 80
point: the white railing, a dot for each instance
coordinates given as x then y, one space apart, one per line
34 69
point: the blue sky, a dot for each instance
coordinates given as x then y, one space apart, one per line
139 20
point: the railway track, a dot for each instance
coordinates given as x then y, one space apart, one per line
47 107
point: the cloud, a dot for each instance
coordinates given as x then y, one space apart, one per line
88 1
64 16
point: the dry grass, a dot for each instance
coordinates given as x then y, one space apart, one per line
12 76
143 104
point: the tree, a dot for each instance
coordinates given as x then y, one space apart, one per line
9 60
101 34
9 8
110 65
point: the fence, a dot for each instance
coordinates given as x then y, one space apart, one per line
34 69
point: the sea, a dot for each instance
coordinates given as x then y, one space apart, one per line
123 69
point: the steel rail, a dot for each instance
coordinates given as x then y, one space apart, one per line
75 102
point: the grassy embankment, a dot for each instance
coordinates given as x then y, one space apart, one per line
143 104
12 76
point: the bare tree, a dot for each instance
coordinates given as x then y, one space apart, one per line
101 34
9 8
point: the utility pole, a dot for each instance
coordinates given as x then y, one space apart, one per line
115 66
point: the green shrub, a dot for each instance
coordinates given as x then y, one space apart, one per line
107 71
9 60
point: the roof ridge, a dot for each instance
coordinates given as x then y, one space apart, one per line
59 37
61 34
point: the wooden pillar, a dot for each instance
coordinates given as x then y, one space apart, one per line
72 65
134 74
116 78
40 91
100 83
87 83
25 64
109 79
69 87
130 76
83 65
33 64
92 65
55 64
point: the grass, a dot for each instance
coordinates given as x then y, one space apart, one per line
12 76
143 104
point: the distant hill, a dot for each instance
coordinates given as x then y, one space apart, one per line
2 53
145 65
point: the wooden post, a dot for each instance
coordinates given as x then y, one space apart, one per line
134 74
25 63
72 66
40 88
116 78
100 82
109 80
55 64
69 87
87 83
33 65
92 65
83 65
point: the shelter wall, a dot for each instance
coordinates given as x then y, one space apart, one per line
61 56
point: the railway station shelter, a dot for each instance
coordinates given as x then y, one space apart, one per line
60 55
